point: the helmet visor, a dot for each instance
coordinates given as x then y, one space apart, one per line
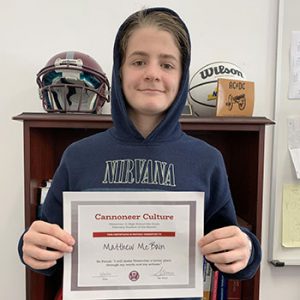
69 91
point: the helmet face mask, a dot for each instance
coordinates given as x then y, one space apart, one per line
73 82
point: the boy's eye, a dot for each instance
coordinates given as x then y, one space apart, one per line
138 63
167 66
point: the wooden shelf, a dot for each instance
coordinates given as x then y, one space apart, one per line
241 141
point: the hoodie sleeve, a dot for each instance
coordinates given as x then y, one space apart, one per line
52 211
253 264
221 212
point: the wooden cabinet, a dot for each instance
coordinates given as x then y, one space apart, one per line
241 141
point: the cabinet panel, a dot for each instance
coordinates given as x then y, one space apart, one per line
241 141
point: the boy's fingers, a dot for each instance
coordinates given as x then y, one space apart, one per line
54 231
38 264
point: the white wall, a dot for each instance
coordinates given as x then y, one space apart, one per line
32 31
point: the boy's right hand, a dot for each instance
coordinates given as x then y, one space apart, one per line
44 244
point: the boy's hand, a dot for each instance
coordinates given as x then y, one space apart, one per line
44 244
228 248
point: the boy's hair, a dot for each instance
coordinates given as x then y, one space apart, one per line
161 20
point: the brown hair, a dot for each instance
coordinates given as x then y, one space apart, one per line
162 20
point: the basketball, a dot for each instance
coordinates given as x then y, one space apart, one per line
203 86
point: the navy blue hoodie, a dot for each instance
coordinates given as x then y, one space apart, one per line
167 159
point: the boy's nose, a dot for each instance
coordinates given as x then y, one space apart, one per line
152 73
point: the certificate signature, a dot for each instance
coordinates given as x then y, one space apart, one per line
162 272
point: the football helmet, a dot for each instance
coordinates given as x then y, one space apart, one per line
73 82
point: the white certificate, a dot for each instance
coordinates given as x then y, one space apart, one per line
133 245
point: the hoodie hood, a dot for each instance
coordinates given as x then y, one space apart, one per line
169 127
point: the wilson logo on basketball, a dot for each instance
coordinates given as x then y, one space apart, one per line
219 70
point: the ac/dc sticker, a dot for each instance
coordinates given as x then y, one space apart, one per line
134 275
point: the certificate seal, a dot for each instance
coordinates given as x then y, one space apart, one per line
134 275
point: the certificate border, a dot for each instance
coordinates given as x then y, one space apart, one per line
192 251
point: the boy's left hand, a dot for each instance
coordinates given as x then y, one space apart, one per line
229 248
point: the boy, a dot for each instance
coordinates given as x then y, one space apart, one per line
149 90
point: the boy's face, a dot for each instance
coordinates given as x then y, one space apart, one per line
151 72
